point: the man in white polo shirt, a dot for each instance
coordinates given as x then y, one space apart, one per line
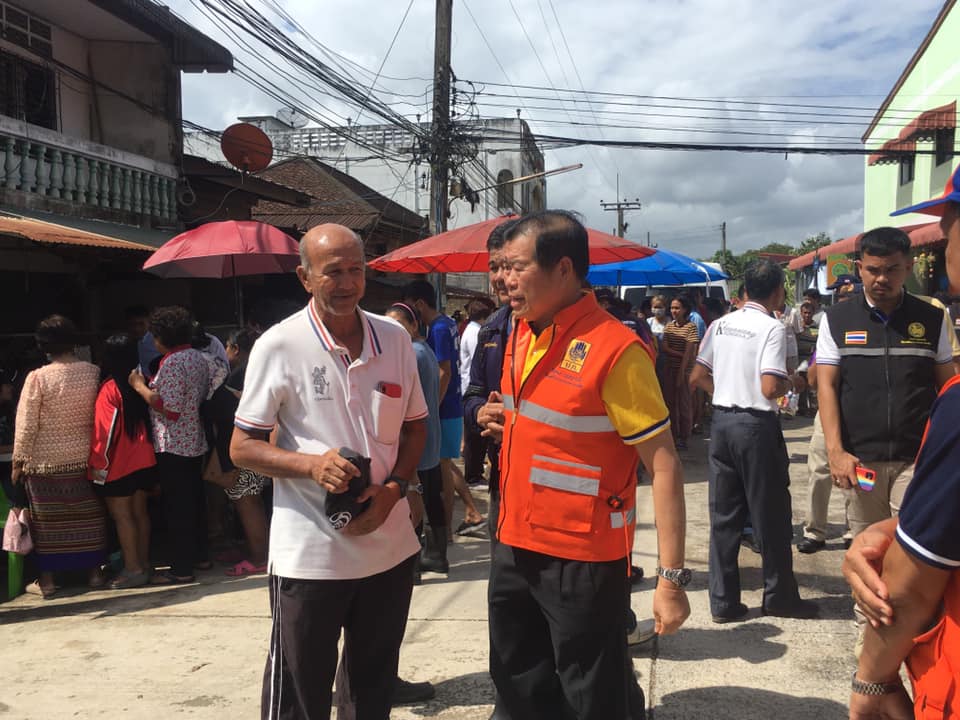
742 363
333 376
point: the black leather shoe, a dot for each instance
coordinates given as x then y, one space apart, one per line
737 613
799 610
810 545
750 540
407 693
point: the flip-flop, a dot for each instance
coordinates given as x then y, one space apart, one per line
35 589
467 527
126 580
168 578
244 568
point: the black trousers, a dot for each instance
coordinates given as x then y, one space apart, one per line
184 509
432 482
557 646
474 453
308 616
749 479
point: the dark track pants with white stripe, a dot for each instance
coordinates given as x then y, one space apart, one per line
308 616
557 646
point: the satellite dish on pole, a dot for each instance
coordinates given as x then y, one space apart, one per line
246 147
292 117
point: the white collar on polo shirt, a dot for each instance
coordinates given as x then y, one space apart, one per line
371 342
751 305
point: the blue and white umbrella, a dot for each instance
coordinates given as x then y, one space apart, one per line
661 268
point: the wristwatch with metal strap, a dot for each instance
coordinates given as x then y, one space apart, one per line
678 576
874 688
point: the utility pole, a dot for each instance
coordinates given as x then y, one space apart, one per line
723 240
440 131
621 207
440 127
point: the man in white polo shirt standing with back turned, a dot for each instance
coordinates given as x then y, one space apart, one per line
742 363
333 376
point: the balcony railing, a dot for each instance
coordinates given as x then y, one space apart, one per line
91 176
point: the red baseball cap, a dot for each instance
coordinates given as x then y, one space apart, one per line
951 193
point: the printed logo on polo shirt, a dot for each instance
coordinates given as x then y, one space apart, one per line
341 519
916 330
576 355
855 337
321 386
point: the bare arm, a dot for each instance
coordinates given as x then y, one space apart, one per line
812 374
774 386
701 378
842 463
943 372
670 605
689 355
916 591
445 377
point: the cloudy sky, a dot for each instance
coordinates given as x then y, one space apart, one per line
750 62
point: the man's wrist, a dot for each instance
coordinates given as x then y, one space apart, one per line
870 687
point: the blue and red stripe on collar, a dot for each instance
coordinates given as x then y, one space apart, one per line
372 340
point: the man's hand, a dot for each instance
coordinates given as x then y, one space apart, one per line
894 706
843 468
491 417
136 379
384 498
799 383
333 472
862 566
670 607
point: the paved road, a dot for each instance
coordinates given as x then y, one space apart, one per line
198 651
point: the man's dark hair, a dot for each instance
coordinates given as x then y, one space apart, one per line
496 239
243 339
559 234
478 310
172 325
421 290
884 241
56 334
741 292
806 305
812 293
762 278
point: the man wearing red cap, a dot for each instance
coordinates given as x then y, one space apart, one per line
914 606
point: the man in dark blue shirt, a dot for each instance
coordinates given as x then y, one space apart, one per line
443 338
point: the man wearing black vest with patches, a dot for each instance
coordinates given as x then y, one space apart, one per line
880 359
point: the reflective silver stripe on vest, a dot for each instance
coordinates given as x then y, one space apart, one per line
567 463
879 352
562 481
616 518
562 421
508 402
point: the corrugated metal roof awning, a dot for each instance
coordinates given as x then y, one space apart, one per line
47 232
929 121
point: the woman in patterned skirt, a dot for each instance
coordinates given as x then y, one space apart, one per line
50 450
679 346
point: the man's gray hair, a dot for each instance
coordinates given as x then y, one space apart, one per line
304 258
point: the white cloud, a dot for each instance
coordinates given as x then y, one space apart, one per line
777 52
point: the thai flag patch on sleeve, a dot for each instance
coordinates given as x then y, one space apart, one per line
855 337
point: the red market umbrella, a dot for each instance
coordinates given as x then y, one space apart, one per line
465 250
226 249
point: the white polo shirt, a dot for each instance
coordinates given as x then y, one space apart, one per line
299 380
740 347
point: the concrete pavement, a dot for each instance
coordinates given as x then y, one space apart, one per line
198 651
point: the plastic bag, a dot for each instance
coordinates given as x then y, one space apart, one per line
16 533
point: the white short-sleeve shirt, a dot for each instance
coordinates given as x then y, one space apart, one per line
301 382
737 350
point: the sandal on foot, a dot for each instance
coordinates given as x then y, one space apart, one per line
469 526
126 580
244 568
168 578
35 588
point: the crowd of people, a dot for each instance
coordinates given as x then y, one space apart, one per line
355 420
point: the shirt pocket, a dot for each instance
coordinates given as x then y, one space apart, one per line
387 417
564 494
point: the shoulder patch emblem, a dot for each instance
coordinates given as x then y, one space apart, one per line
855 337
916 330
576 355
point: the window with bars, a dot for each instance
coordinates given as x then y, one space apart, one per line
23 29
27 91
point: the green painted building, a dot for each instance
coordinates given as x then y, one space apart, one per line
913 134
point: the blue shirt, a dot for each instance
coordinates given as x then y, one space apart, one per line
931 506
444 339
430 382
698 321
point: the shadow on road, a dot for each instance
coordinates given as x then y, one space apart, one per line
464 691
750 641
737 703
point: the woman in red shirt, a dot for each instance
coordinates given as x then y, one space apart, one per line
122 459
